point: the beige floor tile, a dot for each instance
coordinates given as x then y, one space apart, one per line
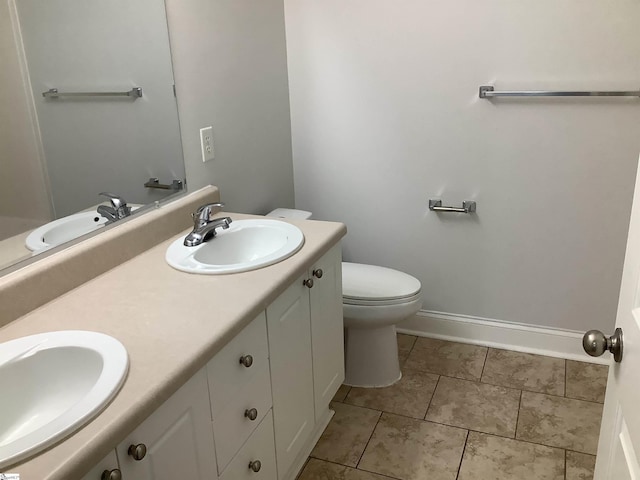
586 381
347 434
321 470
405 344
341 394
411 449
475 406
447 358
580 466
524 371
410 396
494 458
559 422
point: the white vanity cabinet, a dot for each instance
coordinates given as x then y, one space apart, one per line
260 403
327 329
306 344
108 467
177 438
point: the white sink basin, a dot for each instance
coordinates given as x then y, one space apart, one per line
245 245
63 230
66 229
52 384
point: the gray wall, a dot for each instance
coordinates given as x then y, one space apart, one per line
24 194
386 115
230 68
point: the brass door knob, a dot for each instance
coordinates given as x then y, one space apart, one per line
246 360
251 414
308 282
114 474
255 466
317 273
595 343
138 452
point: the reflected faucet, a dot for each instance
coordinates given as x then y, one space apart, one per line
204 228
118 209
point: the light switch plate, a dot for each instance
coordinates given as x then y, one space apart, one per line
206 144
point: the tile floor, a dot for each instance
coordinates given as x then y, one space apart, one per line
466 412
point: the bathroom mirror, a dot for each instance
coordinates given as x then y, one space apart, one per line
57 151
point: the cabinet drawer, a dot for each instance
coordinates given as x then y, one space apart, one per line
259 447
227 375
231 427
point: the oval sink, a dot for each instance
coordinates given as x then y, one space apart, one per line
64 229
245 245
54 383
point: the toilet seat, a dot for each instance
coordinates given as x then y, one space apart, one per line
376 286
376 303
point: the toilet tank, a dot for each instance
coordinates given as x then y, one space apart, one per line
290 213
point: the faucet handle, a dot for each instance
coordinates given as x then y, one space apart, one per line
119 205
204 212
116 201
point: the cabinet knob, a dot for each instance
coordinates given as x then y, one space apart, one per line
114 474
138 452
251 414
317 273
255 466
246 360
308 282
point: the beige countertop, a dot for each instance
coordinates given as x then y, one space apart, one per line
171 324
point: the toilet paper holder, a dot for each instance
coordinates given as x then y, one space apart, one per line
468 206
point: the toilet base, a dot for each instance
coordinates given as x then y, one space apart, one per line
371 357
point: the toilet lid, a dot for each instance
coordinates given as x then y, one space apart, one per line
370 282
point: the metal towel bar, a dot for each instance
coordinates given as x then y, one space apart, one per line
468 206
488 91
155 183
135 92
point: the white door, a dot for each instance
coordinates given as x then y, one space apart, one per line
619 445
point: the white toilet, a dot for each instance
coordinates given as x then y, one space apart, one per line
374 300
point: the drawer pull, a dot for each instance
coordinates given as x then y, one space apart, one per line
255 466
251 414
308 282
138 452
318 273
114 474
246 360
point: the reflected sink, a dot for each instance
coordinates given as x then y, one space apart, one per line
66 229
246 245
63 230
53 384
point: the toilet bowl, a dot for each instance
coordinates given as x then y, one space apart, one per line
374 300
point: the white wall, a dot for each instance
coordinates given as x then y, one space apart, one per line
385 115
24 193
230 68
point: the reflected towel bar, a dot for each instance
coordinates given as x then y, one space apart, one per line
135 92
488 91
468 206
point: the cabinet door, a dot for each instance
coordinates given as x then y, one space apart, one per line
178 437
108 463
327 328
289 332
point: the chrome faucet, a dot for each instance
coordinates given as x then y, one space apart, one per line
118 209
204 228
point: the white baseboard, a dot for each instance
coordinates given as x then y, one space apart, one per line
500 334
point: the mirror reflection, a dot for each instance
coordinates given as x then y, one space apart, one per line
88 107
